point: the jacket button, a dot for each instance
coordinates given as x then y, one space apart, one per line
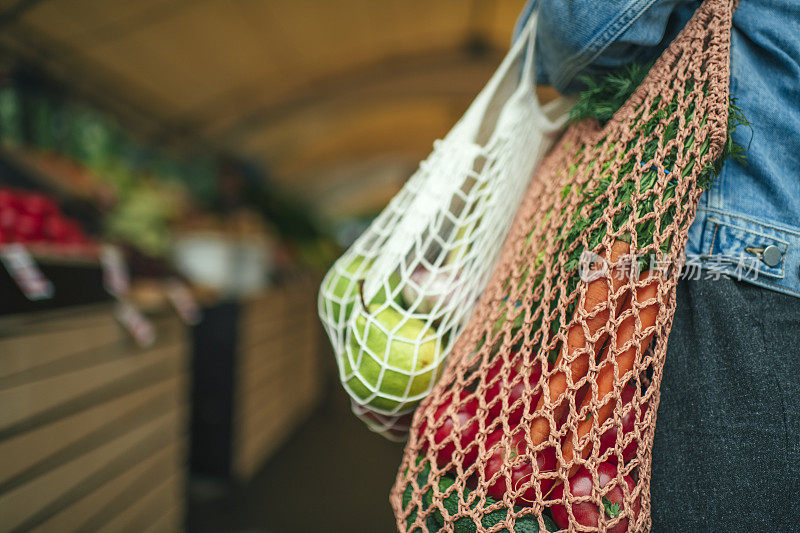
771 256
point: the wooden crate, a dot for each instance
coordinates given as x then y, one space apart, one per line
277 374
92 428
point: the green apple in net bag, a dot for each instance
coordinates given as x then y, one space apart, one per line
391 354
343 289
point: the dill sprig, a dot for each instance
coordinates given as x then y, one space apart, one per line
604 96
601 100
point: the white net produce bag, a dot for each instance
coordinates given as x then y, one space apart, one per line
395 302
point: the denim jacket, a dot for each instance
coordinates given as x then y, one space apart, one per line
748 222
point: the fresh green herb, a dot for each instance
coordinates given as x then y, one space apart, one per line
584 230
612 509
604 96
435 520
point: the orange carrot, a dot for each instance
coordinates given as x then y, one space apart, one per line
624 361
596 295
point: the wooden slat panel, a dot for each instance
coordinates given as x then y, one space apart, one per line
300 300
252 354
252 321
36 354
35 497
82 430
144 512
270 376
171 522
270 304
26 344
294 326
25 401
58 319
258 433
141 478
267 352
266 417
265 431
257 368
263 333
276 374
262 403
259 444
120 348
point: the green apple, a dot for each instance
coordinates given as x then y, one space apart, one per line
395 350
345 288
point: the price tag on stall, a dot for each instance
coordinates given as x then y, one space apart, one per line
116 279
182 300
26 273
139 327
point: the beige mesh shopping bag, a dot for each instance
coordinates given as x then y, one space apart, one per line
395 302
545 413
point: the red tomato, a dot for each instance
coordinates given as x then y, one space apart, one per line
8 200
608 440
73 233
29 228
588 513
463 425
8 220
521 472
56 228
514 394
38 205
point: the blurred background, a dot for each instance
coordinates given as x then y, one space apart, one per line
175 178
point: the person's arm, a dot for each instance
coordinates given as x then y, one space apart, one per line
579 37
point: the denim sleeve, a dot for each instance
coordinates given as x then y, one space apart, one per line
586 37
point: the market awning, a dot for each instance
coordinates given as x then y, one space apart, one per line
319 92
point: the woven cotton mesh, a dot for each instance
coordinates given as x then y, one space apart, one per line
557 355
395 302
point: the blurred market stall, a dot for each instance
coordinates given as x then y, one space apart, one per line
175 175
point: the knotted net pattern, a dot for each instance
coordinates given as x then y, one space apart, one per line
557 373
394 304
